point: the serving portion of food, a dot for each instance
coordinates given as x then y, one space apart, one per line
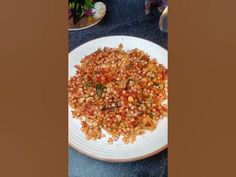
120 92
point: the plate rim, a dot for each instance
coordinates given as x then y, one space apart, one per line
103 37
131 159
111 159
86 27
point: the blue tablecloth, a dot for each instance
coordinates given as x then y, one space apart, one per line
124 17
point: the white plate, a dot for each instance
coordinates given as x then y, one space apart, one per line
145 146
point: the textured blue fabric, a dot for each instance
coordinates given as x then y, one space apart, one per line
124 17
82 166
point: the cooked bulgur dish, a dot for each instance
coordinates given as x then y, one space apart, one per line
121 92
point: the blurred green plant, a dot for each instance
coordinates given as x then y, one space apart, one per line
79 8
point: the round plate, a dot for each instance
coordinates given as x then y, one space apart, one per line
84 26
146 145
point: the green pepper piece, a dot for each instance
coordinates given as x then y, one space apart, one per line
99 89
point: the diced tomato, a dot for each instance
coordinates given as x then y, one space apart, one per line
98 78
123 113
111 120
155 62
89 78
84 124
101 79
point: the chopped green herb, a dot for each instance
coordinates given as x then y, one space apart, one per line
99 89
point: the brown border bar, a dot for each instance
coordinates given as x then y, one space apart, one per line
33 75
33 92
202 61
